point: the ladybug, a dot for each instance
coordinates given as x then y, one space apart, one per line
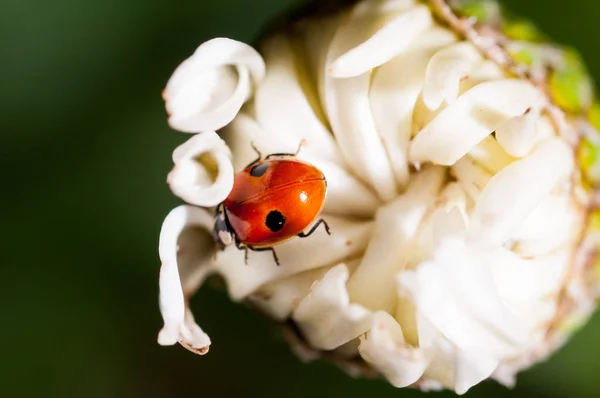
272 200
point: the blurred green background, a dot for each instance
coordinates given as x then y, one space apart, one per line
84 154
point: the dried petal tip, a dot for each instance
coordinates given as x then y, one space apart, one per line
208 89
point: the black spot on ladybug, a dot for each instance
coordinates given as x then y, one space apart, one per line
259 169
275 221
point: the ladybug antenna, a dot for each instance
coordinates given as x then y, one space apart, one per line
256 150
260 157
302 143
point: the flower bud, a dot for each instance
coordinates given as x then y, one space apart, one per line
461 155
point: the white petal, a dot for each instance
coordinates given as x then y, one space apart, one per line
395 88
449 365
396 224
506 373
208 89
385 349
315 36
518 135
528 279
471 118
489 154
552 224
326 317
172 304
283 103
347 105
203 173
536 314
450 218
192 336
348 239
454 197
346 195
280 298
444 72
544 129
447 223
513 193
486 70
394 37
428 385
184 265
471 176
471 369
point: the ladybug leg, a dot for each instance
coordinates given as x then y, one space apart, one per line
265 249
240 246
314 227
260 157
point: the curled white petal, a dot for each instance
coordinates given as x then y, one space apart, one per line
483 72
172 304
471 118
444 72
394 37
383 346
326 317
208 89
203 173
183 268
513 193
518 135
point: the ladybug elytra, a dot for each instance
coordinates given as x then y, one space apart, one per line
272 200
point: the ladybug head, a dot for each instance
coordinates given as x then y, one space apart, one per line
222 233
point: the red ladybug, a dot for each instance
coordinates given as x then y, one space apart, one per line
272 200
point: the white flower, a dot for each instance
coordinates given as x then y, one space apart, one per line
456 204
208 89
203 173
